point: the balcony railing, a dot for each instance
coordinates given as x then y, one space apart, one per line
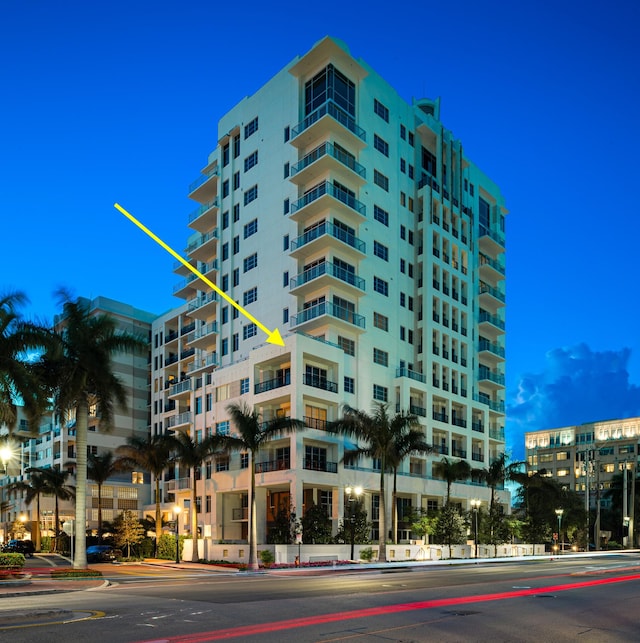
337 193
337 113
495 264
440 417
330 150
320 465
485 232
210 328
328 268
204 238
179 484
496 434
494 292
492 376
269 385
458 453
315 423
491 347
477 426
177 420
273 465
477 456
332 230
320 382
199 211
198 302
491 319
442 449
205 360
456 421
412 375
180 387
203 179
327 308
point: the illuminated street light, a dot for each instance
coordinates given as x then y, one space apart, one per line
559 513
351 492
176 510
475 505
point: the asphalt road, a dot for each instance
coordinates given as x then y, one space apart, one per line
592 599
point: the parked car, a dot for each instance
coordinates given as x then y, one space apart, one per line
25 547
102 554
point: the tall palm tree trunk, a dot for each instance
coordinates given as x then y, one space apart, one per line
82 416
100 513
56 522
394 506
253 527
38 533
382 523
194 519
158 518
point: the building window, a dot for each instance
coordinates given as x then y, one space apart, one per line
411 171
236 180
403 166
225 188
236 277
207 504
224 350
251 194
287 133
403 132
208 402
287 169
250 330
411 138
244 460
236 244
484 213
285 279
347 345
381 286
285 206
235 339
250 161
285 242
349 385
225 155
381 145
250 296
380 251
198 405
251 128
403 300
381 180
250 228
381 110
244 385
225 251
225 283
381 215
429 162
236 213
236 146
380 321
250 262
225 314
380 393
380 357
330 85
225 220
285 315
222 463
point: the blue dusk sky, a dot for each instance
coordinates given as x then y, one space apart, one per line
119 101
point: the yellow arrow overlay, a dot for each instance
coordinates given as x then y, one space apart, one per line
273 337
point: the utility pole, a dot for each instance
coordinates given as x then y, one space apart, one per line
625 500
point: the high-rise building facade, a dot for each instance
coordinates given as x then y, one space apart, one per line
351 220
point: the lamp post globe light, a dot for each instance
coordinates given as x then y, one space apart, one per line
354 493
559 513
475 506
176 510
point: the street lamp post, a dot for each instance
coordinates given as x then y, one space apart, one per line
475 505
559 513
176 510
6 453
357 492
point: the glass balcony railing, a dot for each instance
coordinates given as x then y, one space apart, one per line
203 179
327 268
327 308
496 349
330 150
327 228
488 261
198 302
494 292
495 236
200 210
413 375
204 238
331 109
492 376
491 319
337 193
180 387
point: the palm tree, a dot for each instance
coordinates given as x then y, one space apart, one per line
33 489
452 471
56 486
152 454
408 439
80 372
252 435
192 454
499 472
381 436
17 380
99 469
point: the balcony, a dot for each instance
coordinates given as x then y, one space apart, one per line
320 382
412 375
315 423
458 421
171 359
188 287
240 513
206 360
322 122
204 336
320 465
491 269
322 274
417 410
442 449
325 158
269 385
325 196
317 315
477 426
457 452
178 484
497 433
490 324
204 217
497 406
205 187
490 297
272 465
439 416
490 241
491 379
181 389
178 421
477 456
491 350
327 235
204 247
203 306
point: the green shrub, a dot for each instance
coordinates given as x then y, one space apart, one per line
366 554
266 557
167 547
11 561
65 572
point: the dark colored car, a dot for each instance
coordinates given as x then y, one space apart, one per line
102 554
25 547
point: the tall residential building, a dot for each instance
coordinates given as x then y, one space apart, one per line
53 445
351 220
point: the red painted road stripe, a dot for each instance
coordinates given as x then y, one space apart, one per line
263 628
